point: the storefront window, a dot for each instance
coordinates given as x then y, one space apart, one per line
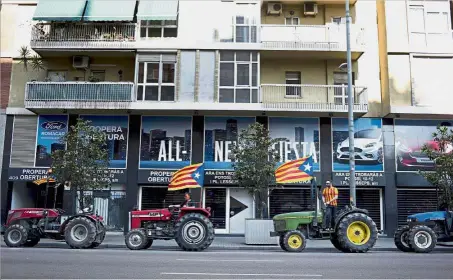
158 198
216 199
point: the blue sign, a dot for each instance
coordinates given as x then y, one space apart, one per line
220 135
51 128
116 129
166 142
368 144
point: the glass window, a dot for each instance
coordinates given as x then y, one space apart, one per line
156 81
243 74
227 74
158 29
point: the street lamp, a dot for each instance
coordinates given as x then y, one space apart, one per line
350 111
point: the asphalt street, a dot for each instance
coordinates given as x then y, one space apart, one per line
51 263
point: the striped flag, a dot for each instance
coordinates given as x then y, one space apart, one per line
295 171
188 177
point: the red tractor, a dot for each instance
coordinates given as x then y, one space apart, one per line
189 226
26 226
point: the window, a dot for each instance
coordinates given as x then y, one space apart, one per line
97 75
293 83
339 20
156 79
292 21
238 78
245 24
158 29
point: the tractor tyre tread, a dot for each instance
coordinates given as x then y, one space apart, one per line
24 235
33 241
411 238
143 236
286 241
101 235
208 227
398 236
281 242
335 243
91 234
347 246
149 244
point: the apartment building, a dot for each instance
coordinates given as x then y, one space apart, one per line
173 82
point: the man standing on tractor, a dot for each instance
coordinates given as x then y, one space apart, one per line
330 197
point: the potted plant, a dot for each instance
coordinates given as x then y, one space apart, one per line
254 163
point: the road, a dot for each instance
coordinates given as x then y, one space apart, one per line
49 263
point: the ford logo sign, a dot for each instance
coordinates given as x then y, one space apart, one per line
53 125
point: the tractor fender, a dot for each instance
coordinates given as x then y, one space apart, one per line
201 211
346 211
65 223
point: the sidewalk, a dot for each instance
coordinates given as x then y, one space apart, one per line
116 241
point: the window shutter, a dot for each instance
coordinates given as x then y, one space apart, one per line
24 140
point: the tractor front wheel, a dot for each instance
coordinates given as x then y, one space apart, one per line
401 239
281 241
80 233
356 233
16 235
136 239
194 232
422 239
294 241
33 241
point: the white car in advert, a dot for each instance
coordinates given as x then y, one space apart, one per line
368 147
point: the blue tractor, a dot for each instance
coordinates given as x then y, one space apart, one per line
424 230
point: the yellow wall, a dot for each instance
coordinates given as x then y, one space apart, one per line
325 13
19 77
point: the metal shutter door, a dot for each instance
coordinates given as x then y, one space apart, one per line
157 198
288 200
24 141
413 202
366 199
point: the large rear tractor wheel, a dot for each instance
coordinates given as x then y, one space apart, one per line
80 233
401 239
16 235
194 232
334 241
136 239
99 237
294 241
422 239
356 233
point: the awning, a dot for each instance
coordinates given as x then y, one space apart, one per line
110 10
157 10
59 10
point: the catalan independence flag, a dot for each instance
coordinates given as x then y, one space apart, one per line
295 171
188 177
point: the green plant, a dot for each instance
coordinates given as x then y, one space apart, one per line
93 79
254 163
36 62
441 152
84 163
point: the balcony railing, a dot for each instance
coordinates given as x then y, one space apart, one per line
311 37
79 95
324 98
83 35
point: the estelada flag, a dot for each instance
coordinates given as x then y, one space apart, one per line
295 171
188 177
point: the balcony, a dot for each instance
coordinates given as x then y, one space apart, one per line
311 37
314 98
83 35
79 95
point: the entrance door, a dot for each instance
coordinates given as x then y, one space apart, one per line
216 198
240 208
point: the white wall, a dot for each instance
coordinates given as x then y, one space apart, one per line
22 196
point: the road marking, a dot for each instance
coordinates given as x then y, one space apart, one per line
226 260
240 274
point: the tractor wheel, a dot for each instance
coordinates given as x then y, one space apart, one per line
194 232
294 241
335 243
16 235
136 239
101 238
422 239
356 233
281 242
33 241
80 233
401 239
148 244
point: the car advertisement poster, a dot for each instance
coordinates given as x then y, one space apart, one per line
51 128
221 134
368 145
166 142
410 137
116 130
302 138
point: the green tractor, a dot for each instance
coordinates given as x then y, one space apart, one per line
354 230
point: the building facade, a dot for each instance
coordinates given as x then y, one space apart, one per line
171 87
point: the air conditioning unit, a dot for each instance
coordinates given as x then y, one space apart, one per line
80 61
310 9
274 8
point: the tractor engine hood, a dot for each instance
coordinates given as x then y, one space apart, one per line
295 215
428 216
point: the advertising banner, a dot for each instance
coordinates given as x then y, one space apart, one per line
410 137
165 142
302 138
220 135
51 128
116 128
368 144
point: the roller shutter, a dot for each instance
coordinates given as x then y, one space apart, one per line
367 199
412 201
156 57
157 198
24 141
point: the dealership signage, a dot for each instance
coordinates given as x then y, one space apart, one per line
155 177
362 179
51 129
